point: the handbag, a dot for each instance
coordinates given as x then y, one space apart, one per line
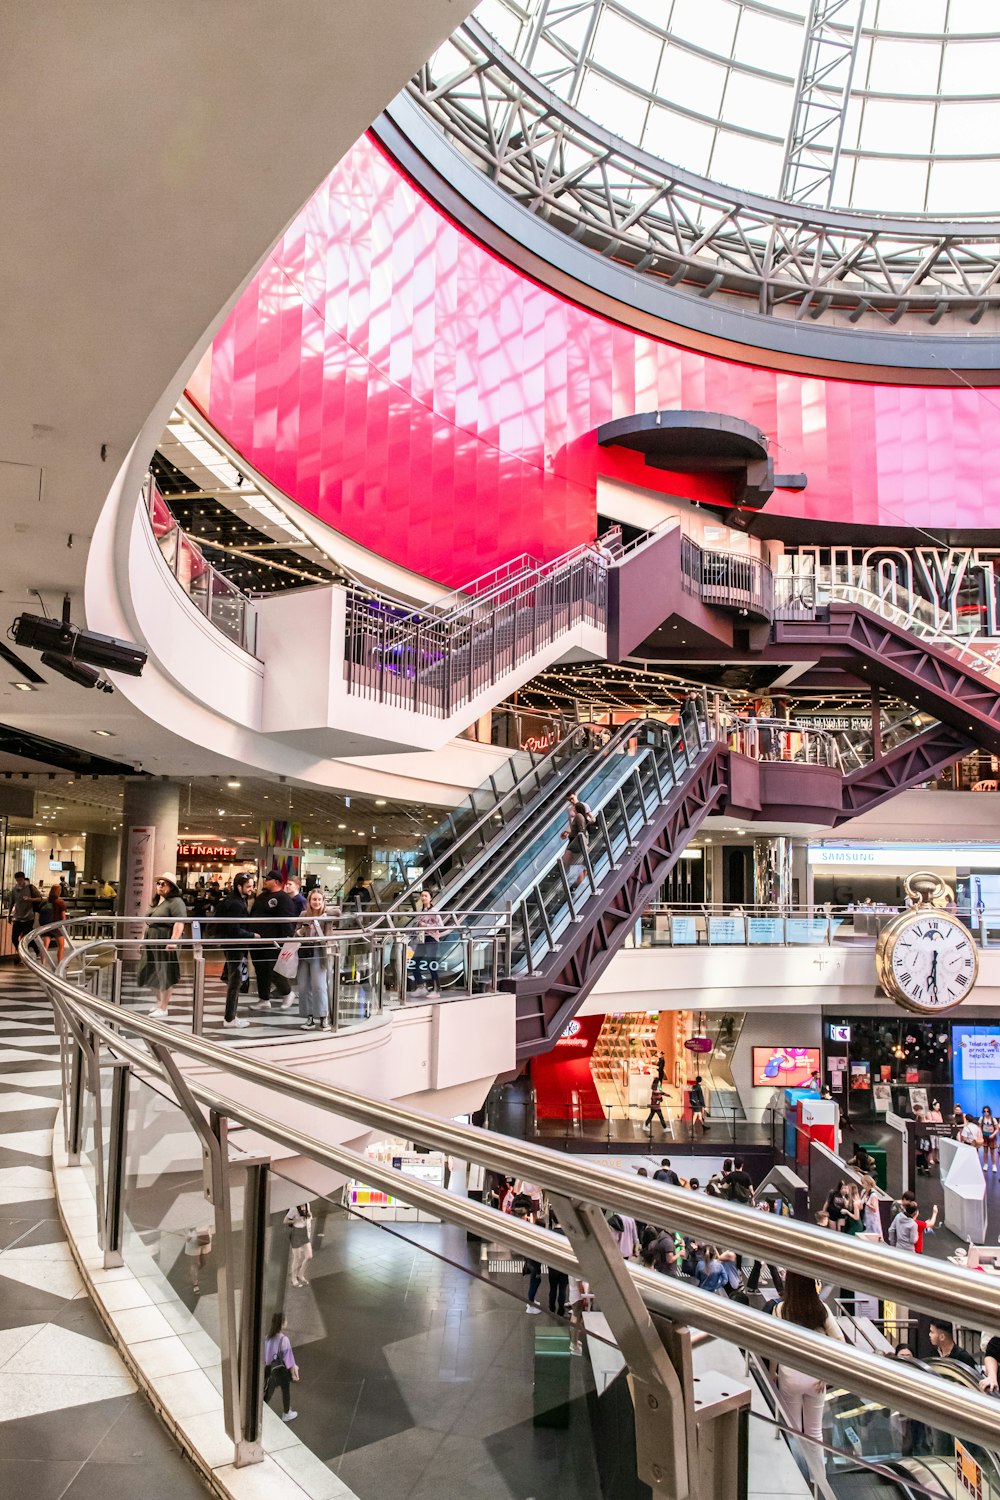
287 965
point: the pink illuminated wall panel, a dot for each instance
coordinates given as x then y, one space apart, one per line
392 376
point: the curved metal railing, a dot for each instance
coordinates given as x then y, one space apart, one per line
681 230
96 1035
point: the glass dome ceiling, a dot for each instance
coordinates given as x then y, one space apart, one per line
712 86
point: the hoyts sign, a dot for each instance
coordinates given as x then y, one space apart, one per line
960 584
206 851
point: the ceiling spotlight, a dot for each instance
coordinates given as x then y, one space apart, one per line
23 687
379 801
104 733
233 784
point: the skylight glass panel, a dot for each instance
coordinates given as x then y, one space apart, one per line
757 104
971 67
958 188
615 108
710 24
899 67
890 186
909 15
691 81
765 42
968 129
890 125
679 139
742 162
630 51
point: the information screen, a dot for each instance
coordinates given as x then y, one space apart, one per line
784 1067
976 1067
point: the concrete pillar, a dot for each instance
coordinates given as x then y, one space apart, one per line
150 815
772 872
102 857
802 873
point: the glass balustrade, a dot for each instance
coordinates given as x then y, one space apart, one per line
211 592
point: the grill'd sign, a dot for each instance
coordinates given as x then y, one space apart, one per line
206 851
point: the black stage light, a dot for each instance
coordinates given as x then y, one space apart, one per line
59 636
74 670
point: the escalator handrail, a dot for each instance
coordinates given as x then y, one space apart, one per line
581 732
575 782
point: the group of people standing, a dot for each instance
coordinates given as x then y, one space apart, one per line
273 916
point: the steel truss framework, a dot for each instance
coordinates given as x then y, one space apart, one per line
685 231
907 765
924 674
822 93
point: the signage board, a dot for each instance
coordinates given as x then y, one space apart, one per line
208 850
727 930
683 931
765 930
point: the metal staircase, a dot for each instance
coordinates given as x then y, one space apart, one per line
436 660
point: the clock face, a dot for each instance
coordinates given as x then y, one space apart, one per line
933 962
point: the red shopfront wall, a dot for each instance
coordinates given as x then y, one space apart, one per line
565 1068
420 395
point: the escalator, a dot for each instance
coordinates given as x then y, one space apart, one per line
649 787
919 1459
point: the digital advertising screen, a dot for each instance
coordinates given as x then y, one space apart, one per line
976 1067
784 1067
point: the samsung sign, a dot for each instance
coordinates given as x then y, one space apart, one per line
911 857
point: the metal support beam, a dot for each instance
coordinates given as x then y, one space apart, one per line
256 1208
114 1206
239 1405
664 1411
822 94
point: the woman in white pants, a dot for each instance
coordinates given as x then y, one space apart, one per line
803 1396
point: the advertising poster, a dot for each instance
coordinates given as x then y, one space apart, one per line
765 930
788 1067
860 1078
918 1099
882 1097
975 1066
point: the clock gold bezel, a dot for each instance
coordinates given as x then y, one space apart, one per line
886 945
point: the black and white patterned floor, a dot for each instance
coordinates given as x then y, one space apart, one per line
72 1424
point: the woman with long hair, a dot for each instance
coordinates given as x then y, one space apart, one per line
160 969
803 1396
870 1216
854 1222
988 1130
58 905
310 977
280 1368
299 1221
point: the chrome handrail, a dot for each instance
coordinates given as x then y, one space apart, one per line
941 1288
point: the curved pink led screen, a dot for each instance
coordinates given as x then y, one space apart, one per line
395 378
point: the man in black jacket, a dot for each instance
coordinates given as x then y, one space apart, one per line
234 906
274 903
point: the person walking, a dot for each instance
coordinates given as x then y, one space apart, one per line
699 1104
425 958
280 1368
311 980
558 1291
656 1098
802 1395
57 907
293 890
159 969
25 900
299 1222
661 1069
235 909
272 916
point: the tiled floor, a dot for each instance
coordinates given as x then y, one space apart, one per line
72 1424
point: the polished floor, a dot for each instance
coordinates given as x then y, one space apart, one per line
72 1424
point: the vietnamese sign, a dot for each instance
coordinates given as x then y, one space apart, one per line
206 851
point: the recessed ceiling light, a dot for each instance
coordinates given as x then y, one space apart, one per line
233 784
341 825
379 801
104 733
23 687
